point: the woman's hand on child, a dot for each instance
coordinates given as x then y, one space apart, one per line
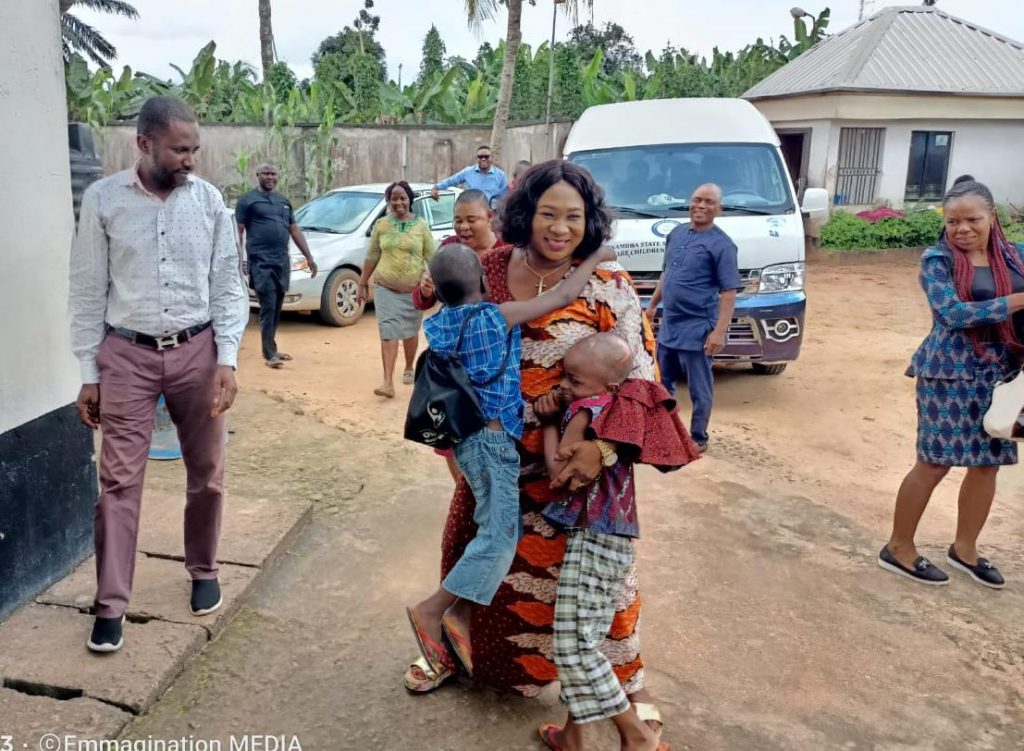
426 285
584 464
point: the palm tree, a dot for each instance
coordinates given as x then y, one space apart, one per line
77 36
266 39
480 10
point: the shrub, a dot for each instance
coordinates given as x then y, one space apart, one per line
1014 232
848 232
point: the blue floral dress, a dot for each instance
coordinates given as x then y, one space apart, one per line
955 384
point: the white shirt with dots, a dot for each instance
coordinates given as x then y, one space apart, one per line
154 266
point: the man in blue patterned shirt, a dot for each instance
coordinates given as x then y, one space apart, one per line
482 176
486 338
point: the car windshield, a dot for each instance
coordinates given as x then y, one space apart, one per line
341 211
659 180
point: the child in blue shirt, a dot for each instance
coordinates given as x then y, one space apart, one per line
488 459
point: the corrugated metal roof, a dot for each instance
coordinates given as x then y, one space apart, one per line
904 49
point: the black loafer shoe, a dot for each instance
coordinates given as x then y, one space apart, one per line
982 572
205 596
923 571
107 634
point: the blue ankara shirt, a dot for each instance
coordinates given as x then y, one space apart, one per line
699 266
493 183
482 351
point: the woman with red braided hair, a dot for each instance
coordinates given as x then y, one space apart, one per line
974 280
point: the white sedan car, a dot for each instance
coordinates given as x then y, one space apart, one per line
337 229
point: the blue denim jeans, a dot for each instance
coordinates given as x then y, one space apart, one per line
490 463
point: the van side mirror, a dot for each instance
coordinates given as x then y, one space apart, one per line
815 201
815 206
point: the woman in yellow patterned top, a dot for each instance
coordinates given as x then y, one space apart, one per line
400 246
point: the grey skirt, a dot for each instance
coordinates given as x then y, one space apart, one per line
397 317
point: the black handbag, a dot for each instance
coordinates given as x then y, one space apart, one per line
444 409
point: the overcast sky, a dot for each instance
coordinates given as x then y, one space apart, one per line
173 32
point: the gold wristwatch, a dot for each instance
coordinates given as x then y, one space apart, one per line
608 453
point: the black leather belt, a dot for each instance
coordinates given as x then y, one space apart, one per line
160 342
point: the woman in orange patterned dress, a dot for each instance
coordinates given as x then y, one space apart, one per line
555 217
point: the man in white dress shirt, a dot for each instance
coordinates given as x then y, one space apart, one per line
157 306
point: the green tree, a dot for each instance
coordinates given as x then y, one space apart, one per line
478 11
616 46
567 98
282 79
352 42
524 105
432 66
367 75
77 36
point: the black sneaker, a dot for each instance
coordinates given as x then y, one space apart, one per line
205 596
923 572
982 572
107 634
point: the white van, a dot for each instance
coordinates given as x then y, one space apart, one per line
649 156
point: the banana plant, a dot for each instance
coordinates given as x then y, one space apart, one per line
596 90
413 103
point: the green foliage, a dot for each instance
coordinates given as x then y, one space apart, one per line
848 232
100 97
350 67
525 99
617 47
1014 232
283 80
79 37
567 100
432 65
366 76
596 66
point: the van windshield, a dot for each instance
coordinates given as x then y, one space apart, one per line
659 180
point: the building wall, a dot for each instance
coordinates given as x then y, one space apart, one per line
364 154
47 481
983 133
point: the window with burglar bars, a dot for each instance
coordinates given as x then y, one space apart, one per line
860 162
929 164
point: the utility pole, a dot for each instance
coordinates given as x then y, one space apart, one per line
551 64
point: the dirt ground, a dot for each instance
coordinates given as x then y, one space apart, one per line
767 624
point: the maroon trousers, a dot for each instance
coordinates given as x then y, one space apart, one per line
132 377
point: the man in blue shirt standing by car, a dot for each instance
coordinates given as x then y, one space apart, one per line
483 176
698 286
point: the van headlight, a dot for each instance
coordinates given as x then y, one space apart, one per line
783 277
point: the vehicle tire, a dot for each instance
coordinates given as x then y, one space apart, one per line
774 369
338 306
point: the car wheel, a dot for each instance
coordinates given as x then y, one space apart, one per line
774 369
338 305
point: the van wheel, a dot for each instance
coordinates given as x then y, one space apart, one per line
774 369
338 304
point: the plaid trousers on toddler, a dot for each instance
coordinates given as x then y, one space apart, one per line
593 575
